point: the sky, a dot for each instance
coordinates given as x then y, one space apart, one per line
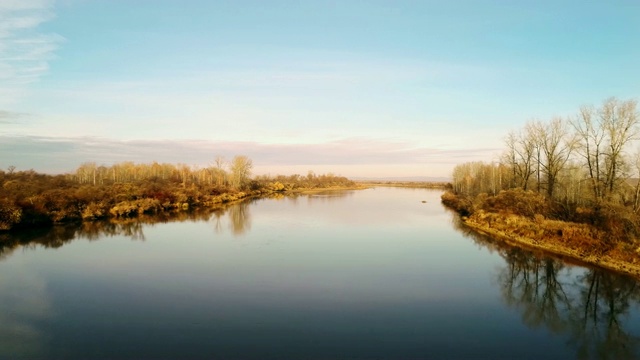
357 88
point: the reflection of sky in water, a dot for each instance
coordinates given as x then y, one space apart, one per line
25 305
375 273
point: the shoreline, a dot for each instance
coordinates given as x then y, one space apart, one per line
557 249
318 190
218 202
408 185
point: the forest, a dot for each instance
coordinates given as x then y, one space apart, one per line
124 190
571 182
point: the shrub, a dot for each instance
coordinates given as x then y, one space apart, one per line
620 223
459 203
94 211
9 215
517 202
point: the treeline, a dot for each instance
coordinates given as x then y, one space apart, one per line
236 173
582 158
580 169
28 198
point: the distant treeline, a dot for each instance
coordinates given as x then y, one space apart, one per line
409 184
28 198
580 169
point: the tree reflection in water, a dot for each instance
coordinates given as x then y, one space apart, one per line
239 218
58 236
239 214
592 306
604 300
531 284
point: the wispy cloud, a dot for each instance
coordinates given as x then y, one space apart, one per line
25 52
263 100
9 117
346 156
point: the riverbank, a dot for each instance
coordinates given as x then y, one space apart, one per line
577 242
153 207
30 200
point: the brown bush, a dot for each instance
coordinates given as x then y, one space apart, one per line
95 211
461 204
9 215
620 223
517 202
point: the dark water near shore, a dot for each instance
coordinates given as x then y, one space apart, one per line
357 274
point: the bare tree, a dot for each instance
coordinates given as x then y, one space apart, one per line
520 155
590 135
220 174
620 125
86 173
636 195
240 170
557 144
184 172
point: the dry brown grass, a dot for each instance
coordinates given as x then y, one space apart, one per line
582 242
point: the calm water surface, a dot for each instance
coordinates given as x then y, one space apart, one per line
360 274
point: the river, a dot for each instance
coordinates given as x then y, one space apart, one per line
376 273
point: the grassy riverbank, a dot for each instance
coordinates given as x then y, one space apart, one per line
29 199
516 217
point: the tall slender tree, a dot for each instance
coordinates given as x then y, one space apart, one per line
241 170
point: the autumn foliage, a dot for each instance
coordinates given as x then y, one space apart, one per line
29 199
569 181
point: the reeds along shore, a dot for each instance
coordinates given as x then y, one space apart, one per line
29 199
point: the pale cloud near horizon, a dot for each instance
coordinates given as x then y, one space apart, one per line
357 95
263 102
25 52
349 157
313 116
10 117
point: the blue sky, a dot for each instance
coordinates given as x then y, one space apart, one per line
359 88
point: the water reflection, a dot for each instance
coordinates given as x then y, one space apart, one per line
590 305
532 284
58 236
329 195
599 318
239 218
236 218
378 275
25 304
